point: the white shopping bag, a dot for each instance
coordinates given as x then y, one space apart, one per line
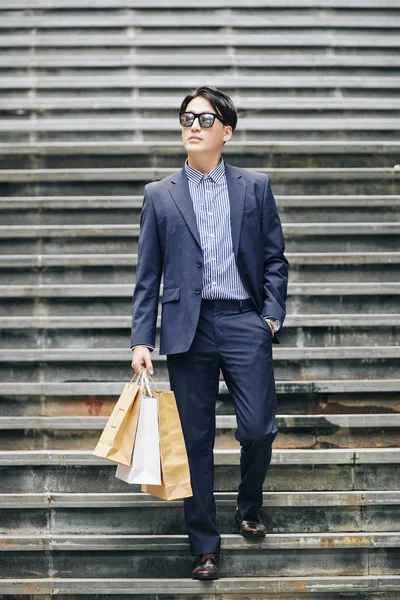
146 459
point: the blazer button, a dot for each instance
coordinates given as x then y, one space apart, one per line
198 291
198 264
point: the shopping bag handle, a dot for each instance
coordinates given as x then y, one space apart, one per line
152 380
143 380
133 377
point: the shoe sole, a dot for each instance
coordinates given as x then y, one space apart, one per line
205 577
253 535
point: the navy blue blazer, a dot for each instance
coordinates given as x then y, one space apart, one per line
169 245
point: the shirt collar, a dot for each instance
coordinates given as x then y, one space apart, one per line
196 176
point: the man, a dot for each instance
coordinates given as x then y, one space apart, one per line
214 232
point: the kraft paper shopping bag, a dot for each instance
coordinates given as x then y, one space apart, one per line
118 436
174 463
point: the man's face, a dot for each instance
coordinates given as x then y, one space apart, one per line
199 140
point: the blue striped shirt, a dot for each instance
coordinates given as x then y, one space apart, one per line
209 193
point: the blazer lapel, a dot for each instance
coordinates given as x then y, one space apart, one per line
237 194
180 193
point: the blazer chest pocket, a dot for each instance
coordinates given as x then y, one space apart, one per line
170 295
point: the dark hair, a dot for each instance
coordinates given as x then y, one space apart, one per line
220 101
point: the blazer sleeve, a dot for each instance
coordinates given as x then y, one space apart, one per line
148 276
275 262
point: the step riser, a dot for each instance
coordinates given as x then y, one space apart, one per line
292 369
350 405
92 590
371 437
70 305
125 275
93 274
76 478
120 337
160 158
251 563
299 133
320 214
170 521
293 185
368 242
197 594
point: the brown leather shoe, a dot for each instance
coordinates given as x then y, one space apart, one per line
207 567
250 529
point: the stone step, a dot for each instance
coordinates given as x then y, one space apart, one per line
128 80
169 125
25 269
358 587
271 500
77 363
206 19
295 431
222 457
300 470
296 259
114 211
118 355
338 418
74 322
100 60
96 4
374 587
147 174
113 203
138 513
52 303
148 518
172 543
76 58
125 290
223 422
123 238
325 297
167 148
88 216
275 555
353 38
332 297
132 230
105 180
114 388
312 272
31 332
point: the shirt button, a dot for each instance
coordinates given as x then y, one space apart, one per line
198 290
198 264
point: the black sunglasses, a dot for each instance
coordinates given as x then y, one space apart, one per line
206 119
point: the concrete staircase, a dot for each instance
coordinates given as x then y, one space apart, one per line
88 103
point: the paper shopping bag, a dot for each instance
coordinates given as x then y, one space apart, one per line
118 436
145 466
174 463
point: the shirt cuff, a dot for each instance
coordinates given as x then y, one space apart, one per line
151 348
